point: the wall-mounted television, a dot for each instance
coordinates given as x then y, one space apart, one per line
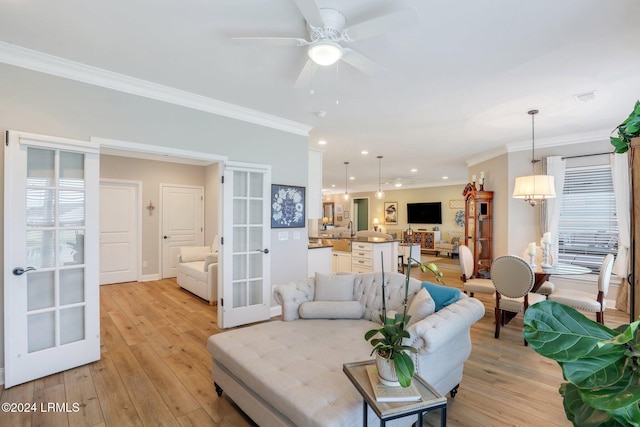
424 213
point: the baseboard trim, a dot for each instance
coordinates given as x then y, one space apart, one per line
276 310
150 277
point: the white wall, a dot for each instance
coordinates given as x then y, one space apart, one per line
45 104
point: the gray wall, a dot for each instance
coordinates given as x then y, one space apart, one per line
44 104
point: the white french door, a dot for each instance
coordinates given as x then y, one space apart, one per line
245 295
51 295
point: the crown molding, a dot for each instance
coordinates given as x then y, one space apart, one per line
577 138
54 65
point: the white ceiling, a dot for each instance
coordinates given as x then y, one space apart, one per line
455 87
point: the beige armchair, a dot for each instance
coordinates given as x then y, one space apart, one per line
198 271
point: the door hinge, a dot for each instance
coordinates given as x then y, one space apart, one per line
222 240
222 302
222 179
6 138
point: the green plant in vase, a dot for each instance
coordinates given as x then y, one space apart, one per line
388 341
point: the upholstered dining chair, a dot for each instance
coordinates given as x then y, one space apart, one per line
581 300
513 279
472 285
547 287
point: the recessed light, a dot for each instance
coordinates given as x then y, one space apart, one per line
445 177
414 170
352 178
364 152
322 142
398 184
333 185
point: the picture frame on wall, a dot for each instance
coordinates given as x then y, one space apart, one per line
391 213
346 214
287 206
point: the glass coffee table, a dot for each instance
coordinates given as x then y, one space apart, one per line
386 411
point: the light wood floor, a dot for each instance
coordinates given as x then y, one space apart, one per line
155 369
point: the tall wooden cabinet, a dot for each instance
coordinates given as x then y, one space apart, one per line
478 228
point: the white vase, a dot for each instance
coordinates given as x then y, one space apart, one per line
386 371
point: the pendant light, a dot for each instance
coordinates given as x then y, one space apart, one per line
534 188
379 193
346 181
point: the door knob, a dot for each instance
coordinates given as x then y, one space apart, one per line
19 271
165 237
265 251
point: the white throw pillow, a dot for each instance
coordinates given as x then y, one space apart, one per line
337 287
194 253
331 310
421 307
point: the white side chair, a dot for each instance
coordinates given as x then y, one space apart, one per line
547 287
472 285
581 300
513 279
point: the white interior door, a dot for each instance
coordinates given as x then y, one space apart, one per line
51 296
120 236
182 211
245 295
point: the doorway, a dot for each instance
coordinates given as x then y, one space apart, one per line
361 214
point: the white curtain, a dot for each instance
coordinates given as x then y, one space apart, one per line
621 188
556 166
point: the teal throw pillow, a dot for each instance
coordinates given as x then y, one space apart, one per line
442 295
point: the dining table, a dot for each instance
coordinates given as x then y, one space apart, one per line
542 274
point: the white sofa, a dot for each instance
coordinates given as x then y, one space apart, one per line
289 372
198 271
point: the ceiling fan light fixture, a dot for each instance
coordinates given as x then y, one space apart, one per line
325 52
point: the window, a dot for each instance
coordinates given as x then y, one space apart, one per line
588 228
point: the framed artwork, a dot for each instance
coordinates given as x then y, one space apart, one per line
456 204
338 218
339 209
287 206
391 213
346 214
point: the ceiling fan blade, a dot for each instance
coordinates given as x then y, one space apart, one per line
311 12
278 41
402 19
360 62
306 74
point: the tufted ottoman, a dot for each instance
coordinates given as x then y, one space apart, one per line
298 365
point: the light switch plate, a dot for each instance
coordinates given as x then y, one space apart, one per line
296 235
283 235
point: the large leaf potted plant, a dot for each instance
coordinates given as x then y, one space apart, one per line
600 364
394 364
627 130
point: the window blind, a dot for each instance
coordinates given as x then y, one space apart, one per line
588 228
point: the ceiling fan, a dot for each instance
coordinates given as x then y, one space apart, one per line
328 29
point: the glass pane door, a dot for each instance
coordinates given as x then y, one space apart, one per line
51 284
246 282
55 247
